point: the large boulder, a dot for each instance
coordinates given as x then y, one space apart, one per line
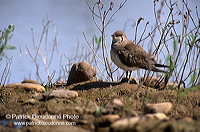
80 72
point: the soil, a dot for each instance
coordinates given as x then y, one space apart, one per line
87 111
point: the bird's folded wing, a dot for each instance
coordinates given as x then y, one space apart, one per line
133 56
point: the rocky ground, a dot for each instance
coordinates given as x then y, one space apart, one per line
80 105
98 106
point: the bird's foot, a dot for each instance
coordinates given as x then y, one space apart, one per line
132 80
124 80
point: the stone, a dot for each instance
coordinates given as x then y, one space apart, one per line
132 113
108 119
124 124
80 72
115 105
27 86
30 81
61 93
151 122
152 82
156 116
89 118
164 107
117 102
30 101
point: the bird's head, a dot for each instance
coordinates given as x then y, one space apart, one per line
118 36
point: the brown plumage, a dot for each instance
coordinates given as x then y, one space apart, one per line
129 56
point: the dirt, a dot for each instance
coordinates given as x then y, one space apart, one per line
87 111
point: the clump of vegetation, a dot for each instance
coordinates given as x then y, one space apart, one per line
179 41
6 35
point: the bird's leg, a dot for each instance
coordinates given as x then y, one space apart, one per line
126 74
127 79
129 75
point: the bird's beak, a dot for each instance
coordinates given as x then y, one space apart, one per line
113 35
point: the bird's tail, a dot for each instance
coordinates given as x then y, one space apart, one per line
160 65
153 68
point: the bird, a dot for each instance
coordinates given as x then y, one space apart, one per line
128 56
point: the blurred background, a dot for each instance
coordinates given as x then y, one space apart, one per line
69 19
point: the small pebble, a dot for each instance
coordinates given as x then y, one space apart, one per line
61 93
124 124
117 102
27 86
30 101
164 107
30 81
156 116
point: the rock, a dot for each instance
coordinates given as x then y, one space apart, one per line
30 81
153 82
106 120
151 123
124 124
109 119
156 116
80 72
130 124
61 93
114 104
30 101
27 86
89 118
117 102
131 112
164 107
90 106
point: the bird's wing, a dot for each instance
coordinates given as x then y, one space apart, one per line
132 55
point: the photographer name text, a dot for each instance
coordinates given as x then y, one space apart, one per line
36 116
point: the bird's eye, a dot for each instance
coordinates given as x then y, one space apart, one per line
122 39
